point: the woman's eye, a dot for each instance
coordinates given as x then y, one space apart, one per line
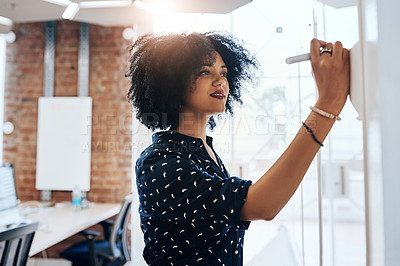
224 74
205 72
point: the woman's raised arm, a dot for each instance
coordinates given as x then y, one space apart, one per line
273 190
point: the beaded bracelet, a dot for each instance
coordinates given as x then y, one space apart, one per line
326 114
312 134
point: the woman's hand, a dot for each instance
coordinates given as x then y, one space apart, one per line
332 75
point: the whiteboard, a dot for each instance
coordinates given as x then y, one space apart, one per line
63 143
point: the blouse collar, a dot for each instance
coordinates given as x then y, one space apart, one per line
184 140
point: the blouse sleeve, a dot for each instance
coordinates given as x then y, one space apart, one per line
175 188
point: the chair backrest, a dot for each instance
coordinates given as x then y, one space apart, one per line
15 244
118 234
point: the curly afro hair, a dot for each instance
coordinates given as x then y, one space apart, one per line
162 69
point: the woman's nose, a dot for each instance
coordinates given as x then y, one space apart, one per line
220 81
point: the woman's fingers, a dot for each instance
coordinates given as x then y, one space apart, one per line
346 54
315 48
337 51
328 46
346 58
317 45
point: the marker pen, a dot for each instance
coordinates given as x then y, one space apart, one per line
298 58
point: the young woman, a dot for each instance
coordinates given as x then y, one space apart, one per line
192 211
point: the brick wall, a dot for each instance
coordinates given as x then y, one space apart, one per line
23 87
112 119
111 131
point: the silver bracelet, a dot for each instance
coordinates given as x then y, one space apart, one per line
323 113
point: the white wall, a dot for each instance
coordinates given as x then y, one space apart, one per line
389 89
381 142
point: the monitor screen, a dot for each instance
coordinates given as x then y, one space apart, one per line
8 194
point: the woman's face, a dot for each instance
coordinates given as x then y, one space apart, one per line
211 89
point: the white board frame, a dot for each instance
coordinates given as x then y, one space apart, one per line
64 143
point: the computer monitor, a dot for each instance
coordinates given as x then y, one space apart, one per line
9 212
8 192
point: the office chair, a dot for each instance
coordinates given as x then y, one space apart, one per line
113 250
15 244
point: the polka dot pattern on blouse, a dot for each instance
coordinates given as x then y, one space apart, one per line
189 205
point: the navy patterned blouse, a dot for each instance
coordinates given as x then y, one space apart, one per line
189 205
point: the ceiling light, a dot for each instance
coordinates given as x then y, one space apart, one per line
59 2
70 11
10 37
6 21
8 127
150 7
130 34
100 4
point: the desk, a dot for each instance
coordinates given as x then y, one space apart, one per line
59 223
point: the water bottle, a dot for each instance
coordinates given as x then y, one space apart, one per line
76 197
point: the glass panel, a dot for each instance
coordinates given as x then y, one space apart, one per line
251 141
343 205
269 119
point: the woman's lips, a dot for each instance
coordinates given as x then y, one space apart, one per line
219 94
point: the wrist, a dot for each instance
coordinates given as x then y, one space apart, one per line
325 114
329 107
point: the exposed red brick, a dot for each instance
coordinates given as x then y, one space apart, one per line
112 127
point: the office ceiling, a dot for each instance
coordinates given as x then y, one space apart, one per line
39 10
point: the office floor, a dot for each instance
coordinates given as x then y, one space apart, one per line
269 244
